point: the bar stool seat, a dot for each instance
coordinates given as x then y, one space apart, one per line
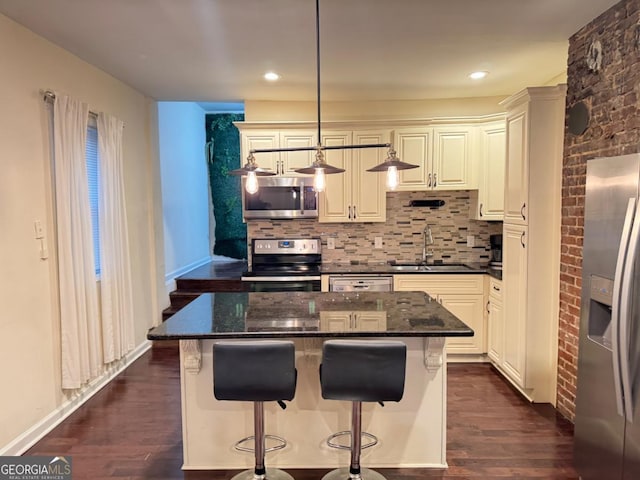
361 371
256 371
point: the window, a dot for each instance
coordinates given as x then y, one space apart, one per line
93 176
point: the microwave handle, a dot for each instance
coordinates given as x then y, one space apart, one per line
302 197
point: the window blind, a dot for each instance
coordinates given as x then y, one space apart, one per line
93 176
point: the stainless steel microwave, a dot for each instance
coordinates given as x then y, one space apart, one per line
281 197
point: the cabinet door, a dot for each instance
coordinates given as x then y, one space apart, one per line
414 145
469 309
514 281
370 321
495 344
452 158
491 189
369 195
291 161
516 192
335 201
335 321
258 140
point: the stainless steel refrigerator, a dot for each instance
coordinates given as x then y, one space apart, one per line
607 423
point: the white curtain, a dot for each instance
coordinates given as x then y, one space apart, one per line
80 333
115 264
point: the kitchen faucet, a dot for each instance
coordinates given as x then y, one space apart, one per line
427 240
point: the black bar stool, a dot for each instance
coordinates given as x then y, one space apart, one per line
361 371
258 372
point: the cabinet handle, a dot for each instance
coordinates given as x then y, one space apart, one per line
522 211
354 212
522 239
435 180
349 212
496 288
480 209
429 181
488 310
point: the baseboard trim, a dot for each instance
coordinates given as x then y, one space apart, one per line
29 438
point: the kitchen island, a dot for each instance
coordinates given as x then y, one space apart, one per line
412 432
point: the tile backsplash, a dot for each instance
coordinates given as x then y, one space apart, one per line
401 234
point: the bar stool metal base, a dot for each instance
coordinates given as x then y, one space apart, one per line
280 444
332 444
343 474
272 474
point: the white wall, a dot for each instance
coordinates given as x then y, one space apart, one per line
29 319
185 187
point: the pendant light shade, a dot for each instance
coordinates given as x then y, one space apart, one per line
391 165
251 171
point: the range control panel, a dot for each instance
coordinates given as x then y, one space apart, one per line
295 246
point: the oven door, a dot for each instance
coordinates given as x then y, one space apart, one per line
282 284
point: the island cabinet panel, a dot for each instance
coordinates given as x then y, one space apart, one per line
462 295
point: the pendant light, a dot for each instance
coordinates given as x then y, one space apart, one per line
391 165
251 171
320 168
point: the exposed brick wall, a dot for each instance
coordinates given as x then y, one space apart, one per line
611 96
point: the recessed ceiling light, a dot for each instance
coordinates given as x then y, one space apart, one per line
271 76
478 75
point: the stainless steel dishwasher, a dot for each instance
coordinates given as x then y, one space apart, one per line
361 283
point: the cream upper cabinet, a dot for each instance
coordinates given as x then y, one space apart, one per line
495 324
516 187
451 166
443 155
414 145
488 203
355 195
462 295
281 163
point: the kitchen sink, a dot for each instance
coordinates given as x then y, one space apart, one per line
444 267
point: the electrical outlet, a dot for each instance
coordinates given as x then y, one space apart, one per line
331 243
471 241
377 242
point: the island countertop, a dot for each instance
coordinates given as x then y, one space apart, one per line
311 314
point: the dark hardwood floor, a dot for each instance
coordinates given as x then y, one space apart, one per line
131 430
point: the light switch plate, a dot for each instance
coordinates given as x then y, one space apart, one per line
331 243
377 242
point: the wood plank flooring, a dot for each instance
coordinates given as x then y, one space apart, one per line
131 430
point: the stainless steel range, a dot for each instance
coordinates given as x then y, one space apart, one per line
284 265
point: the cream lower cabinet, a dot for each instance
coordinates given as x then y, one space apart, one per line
347 321
514 275
355 195
462 295
495 323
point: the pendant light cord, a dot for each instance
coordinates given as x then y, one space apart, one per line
318 65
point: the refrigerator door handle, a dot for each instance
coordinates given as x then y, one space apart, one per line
616 304
626 303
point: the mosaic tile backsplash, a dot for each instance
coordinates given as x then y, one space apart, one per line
402 233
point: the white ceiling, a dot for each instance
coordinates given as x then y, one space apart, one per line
217 50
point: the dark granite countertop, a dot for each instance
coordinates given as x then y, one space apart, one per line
305 314
394 269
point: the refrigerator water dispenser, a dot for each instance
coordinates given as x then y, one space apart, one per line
601 299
